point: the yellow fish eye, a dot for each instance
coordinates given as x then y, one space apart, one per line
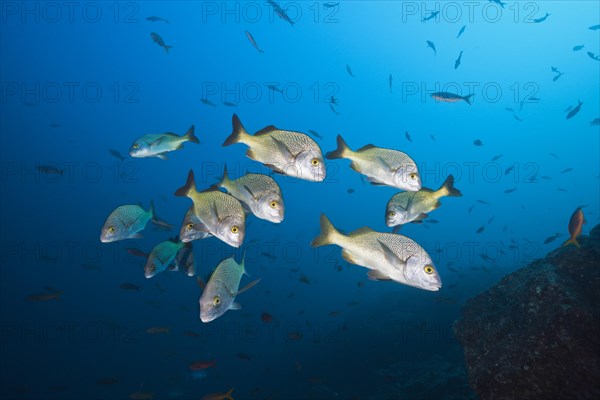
314 162
216 301
428 269
273 204
413 176
111 229
190 226
234 229
136 146
391 214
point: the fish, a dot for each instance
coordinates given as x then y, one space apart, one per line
350 71
551 238
37 297
350 191
185 260
251 39
483 202
130 286
157 145
218 396
594 27
575 227
578 47
208 102
408 137
390 82
125 222
431 16
156 38
480 229
266 318
315 134
289 153
260 193
595 122
431 45
158 330
564 171
156 19
495 158
229 104
510 190
161 256
407 207
508 170
280 12
448 97
220 214
330 5
202 365
192 228
575 110
553 155
116 154
388 256
541 19
54 125
478 143
50 170
557 76
461 31
333 110
222 288
499 2
457 62
432 138
380 165
136 252
593 56
243 356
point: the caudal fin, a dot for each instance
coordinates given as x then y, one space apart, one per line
228 395
190 186
190 136
167 48
327 234
468 98
572 240
342 149
238 132
448 189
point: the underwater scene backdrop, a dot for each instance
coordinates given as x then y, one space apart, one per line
344 105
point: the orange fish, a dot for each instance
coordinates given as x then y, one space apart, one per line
219 396
575 224
266 317
200 365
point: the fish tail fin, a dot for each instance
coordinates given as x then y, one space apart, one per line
468 98
341 151
167 48
238 134
327 235
228 395
190 136
448 189
189 187
573 241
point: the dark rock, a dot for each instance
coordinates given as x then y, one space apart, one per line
536 334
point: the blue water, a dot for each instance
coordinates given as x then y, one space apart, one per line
78 82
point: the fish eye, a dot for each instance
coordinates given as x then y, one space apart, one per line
314 162
234 229
413 176
136 146
111 229
190 226
216 301
391 214
153 268
273 204
428 269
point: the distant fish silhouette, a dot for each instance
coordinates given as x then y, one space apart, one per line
462 30
431 45
350 71
457 62
541 19
431 16
575 110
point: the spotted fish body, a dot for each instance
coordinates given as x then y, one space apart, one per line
260 193
388 256
125 222
286 152
221 214
162 255
192 228
381 166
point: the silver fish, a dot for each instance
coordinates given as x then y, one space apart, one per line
161 257
157 145
192 228
125 222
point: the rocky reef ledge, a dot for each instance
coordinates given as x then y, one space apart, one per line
536 334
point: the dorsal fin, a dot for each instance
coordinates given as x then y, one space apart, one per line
360 231
367 147
265 130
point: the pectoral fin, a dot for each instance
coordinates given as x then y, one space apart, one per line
162 156
375 275
248 286
390 256
235 306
